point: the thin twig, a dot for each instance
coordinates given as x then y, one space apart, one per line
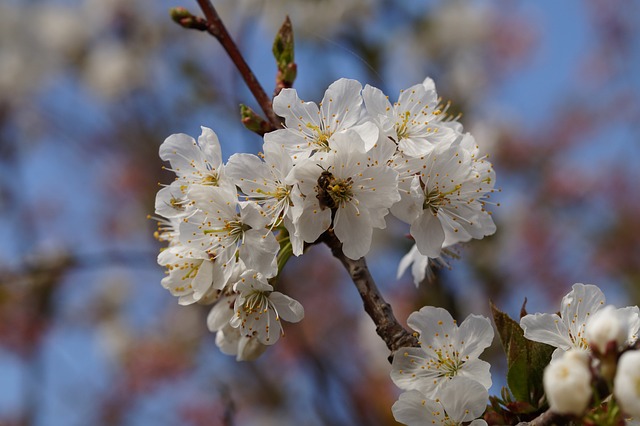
217 29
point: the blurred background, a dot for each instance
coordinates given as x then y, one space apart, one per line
90 88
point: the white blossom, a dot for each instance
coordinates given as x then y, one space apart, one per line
223 227
191 276
413 122
568 330
626 385
194 162
258 309
445 201
459 401
445 351
264 183
567 383
342 181
310 129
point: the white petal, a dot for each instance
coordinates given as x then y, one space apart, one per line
477 333
247 171
171 200
179 150
220 314
258 251
414 409
369 133
377 104
428 233
253 215
433 324
297 113
463 399
407 371
546 328
288 308
342 104
353 228
478 370
582 302
210 146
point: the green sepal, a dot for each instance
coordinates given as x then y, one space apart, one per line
526 361
252 121
286 248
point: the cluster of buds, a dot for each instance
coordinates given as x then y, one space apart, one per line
596 354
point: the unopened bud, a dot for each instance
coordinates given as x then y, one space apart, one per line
626 385
283 52
567 383
606 331
185 19
252 121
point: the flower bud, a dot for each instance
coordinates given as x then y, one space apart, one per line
567 383
626 385
606 331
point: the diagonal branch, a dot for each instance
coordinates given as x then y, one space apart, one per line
387 326
216 28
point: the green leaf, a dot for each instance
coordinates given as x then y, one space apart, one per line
526 361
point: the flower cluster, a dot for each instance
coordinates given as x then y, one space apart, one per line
340 166
595 344
444 380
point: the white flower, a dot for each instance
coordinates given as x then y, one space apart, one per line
168 229
264 183
172 201
445 202
567 383
258 309
224 228
311 129
413 122
342 182
626 385
576 311
445 351
194 162
459 401
421 265
192 277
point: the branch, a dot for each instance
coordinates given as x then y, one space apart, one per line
216 28
548 418
387 326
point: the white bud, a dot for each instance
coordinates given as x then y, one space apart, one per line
606 327
626 385
567 383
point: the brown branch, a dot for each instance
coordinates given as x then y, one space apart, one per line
387 326
216 28
548 418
